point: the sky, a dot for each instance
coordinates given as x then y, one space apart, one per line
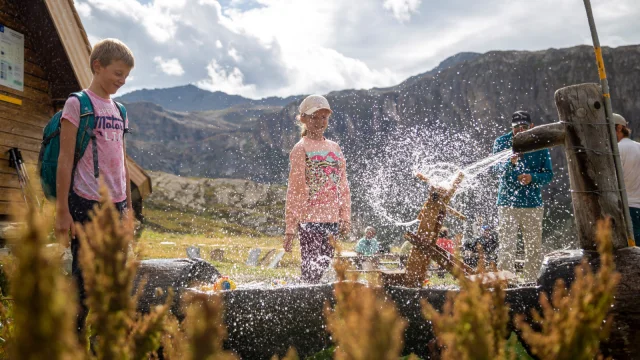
260 48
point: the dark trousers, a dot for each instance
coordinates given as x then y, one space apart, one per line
80 208
316 252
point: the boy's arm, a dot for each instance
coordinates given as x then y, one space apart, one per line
128 179
64 221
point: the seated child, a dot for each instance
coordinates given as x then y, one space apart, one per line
444 241
368 245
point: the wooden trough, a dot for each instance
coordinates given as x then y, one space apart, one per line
263 322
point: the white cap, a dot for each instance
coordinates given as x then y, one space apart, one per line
619 120
313 103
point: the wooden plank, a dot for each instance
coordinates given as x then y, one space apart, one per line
6 169
34 70
11 20
9 181
18 128
8 207
10 194
36 83
30 105
29 157
19 142
27 93
37 122
17 113
8 7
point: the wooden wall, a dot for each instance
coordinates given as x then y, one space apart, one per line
21 125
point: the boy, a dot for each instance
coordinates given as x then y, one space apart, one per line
368 245
78 190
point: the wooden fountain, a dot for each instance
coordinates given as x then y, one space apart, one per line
424 248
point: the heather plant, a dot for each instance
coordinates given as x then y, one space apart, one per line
43 319
6 311
574 322
204 328
363 325
175 345
473 323
6 327
109 271
291 354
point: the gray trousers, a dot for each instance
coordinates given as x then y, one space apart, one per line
529 222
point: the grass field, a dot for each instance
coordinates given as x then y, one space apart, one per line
169 233
153 244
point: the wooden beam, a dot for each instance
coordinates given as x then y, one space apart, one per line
540 137
75 41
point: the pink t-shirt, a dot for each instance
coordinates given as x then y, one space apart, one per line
318 190
109 132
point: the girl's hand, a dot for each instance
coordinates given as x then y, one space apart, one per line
345 228
288 242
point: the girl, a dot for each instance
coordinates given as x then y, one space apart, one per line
318 196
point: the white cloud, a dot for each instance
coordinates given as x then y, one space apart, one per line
170 66
84 10
234 54
260 48
402 9
228 81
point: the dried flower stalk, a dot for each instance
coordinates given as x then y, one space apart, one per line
473 323
363 324
574 322
43 311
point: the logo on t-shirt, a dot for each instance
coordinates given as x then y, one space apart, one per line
111 128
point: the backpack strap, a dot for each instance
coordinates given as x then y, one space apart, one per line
86 127
123 114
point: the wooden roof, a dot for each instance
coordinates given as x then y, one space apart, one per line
76 45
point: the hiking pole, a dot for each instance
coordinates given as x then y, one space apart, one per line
16 161
13 162
609 119
25 173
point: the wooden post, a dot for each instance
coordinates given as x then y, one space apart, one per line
592 173
424 240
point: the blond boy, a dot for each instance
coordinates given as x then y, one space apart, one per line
78 188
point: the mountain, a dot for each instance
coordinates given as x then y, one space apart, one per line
442 119
192 98
201 205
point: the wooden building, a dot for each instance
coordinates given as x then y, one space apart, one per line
55 64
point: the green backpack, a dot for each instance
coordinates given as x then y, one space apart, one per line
50 147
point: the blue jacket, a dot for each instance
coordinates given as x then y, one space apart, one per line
367 246
511 192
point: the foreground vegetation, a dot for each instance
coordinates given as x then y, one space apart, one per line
38 323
